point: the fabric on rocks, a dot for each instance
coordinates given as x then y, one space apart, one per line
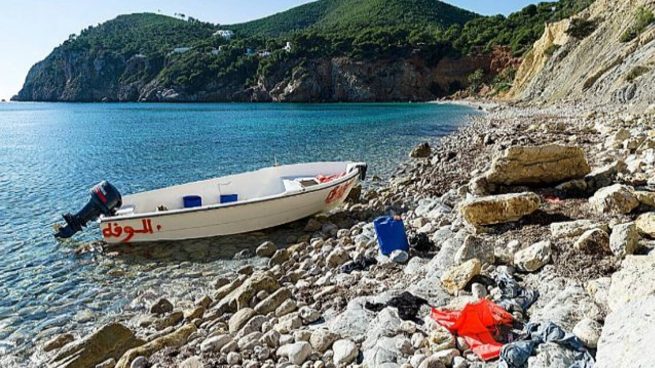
477 323
515 298
422 243
407 304
359 265
516 354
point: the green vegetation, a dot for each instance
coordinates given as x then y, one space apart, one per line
643 18
636 72
360 29
581 28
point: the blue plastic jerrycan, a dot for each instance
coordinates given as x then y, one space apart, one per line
391 235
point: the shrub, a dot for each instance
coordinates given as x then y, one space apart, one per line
636 72
552 49
643 19
475 80
581 28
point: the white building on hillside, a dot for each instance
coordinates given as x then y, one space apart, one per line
180 50
224 33
287 47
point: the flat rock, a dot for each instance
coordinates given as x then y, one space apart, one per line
273 301
110 341
627 336
215 343
239 319
575 228
545 164
175 339
635 280
297 353
499 209
475 247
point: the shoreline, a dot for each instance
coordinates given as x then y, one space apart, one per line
302 307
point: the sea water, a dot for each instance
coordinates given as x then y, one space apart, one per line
51 154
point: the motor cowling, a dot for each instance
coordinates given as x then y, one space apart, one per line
105 200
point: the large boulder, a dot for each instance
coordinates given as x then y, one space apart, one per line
635 280
627 336
538 165
109 342
174 339
421 151
456 278
615 199
499 209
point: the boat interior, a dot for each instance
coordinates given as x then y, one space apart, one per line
267 182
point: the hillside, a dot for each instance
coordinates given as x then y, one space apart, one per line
328 50
345 15
606 54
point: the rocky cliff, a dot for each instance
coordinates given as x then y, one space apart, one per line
76 76
604 66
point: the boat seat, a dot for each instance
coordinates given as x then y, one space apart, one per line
297 184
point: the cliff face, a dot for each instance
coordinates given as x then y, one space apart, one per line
600 68
76 76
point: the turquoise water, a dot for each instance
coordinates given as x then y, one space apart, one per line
51 154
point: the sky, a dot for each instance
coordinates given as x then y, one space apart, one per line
30 29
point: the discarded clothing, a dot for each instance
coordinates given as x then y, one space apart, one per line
516 354
360 265
407 304
422 243
477 323
514 298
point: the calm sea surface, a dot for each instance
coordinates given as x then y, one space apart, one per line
51 154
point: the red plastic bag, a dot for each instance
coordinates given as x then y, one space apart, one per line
476 323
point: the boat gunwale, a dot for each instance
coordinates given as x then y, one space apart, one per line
355 172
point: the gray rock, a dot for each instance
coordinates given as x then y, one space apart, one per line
309 315
271 339
249 341
345 352
551 355
297 353
280 256
215 343
475 247
624 239
627 336
285 308
337 257
635 280
253 325
432 362
322 339
379 347
273 301
192 362
533 257
233 358
588 331
422 150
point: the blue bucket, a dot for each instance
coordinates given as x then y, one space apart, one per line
228 198
391 235
192 201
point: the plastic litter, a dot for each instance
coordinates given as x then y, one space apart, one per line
408 306
477 323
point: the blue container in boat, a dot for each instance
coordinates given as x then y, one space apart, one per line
228 198
192 201
391 235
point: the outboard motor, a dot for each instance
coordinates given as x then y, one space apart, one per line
105 200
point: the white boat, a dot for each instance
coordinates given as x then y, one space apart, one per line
232 204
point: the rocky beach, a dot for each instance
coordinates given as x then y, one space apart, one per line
546 212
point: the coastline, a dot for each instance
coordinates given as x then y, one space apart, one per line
302 307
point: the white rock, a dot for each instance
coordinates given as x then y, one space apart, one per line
588 331
635 280
345 352
533 257
399 256
322 339
215 343
615 199
297 353
624 239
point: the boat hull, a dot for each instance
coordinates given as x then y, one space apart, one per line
229 219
